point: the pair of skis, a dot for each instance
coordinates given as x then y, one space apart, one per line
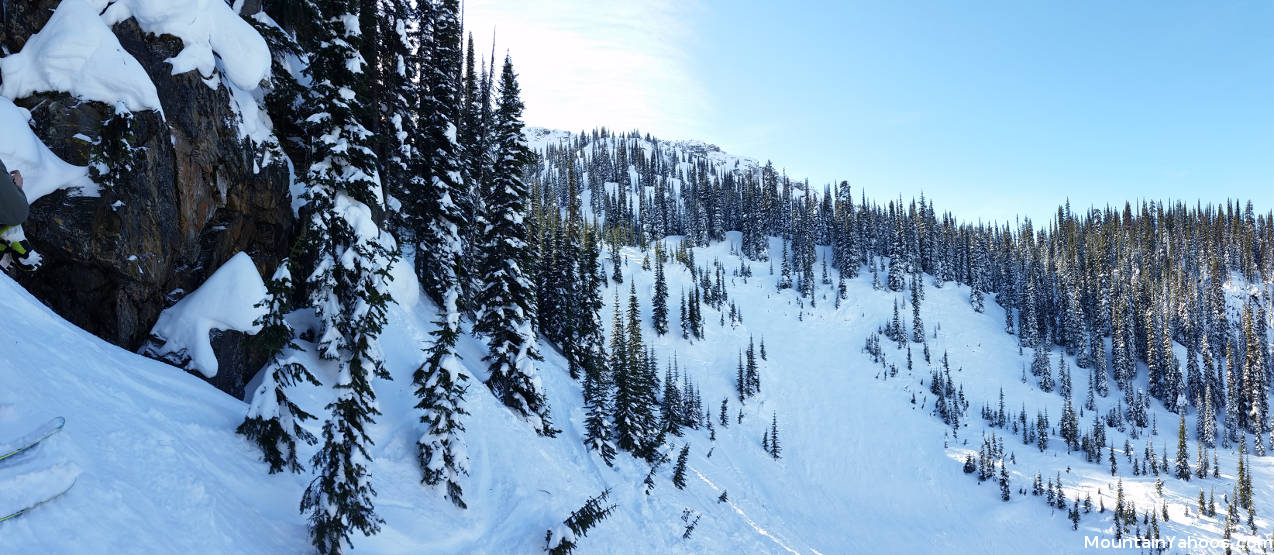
26 443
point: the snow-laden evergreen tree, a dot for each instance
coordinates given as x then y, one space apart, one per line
670 407
563 539
752 378
917 324
585 347
685 318
597 428
635 387
347 284
441 384
679 469
1207 419
978 268
1183 457
390 54
1233 397
474 137
431 210
1040 367
430 205
506 303
598 377
1069 426
1255 379
273 421
1065 385
1004 482
1097 350
897 263
659 302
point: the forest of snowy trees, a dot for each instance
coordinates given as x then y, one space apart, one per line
1143 277
1114 289
473 330
410 146
408 149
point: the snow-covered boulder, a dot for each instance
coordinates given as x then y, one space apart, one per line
229 300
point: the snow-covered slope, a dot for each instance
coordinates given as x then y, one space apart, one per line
164 472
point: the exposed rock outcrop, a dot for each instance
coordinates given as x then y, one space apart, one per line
193 199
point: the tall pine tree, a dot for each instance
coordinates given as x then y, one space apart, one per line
505 305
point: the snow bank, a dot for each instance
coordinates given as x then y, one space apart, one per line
42 170
76 52
227 301
209 31
403 284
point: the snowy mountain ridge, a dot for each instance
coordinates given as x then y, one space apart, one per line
539 138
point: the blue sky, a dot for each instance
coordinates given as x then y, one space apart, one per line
992 108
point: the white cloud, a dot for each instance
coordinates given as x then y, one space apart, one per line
585 63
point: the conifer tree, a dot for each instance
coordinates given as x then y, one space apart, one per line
635 387
349 298
1120 507
273 421
917 325
671 406
978 282
430 206
752 377
1064 376
659 310
505 305
563 539
1183 461
785 278
1004 482
1040 367
472 136
775 450
430 209
679 470
597 431
1069 426
685 320
441 385
387 112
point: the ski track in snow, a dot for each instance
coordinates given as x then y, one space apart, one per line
750 522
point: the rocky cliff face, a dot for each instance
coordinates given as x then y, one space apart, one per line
193 199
